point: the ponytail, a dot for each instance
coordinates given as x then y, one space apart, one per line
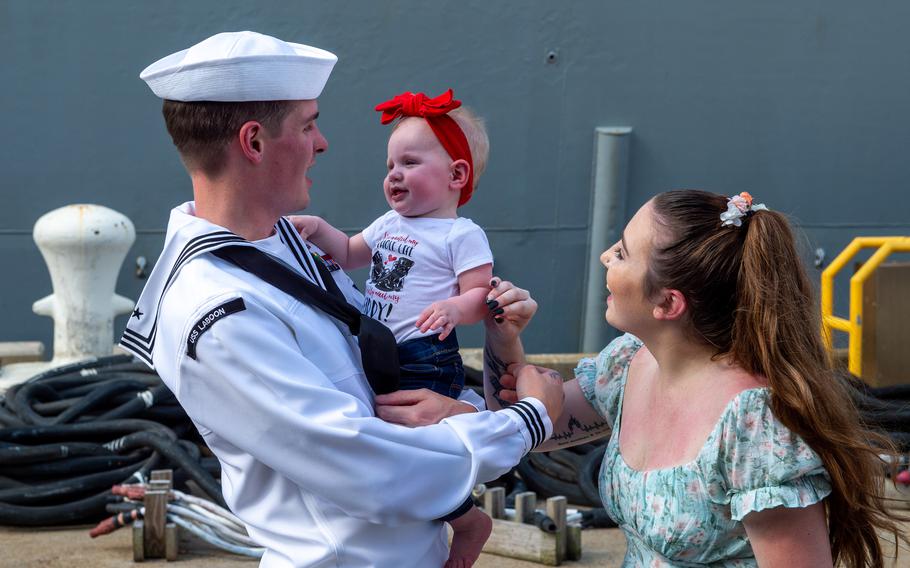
776 334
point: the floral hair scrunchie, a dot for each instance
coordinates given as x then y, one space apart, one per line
739 206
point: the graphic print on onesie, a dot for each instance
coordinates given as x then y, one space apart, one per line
389 268
415 262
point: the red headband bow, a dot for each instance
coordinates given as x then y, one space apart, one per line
435 111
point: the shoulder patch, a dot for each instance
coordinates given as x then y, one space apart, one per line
208 320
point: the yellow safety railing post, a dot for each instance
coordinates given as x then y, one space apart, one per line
854 326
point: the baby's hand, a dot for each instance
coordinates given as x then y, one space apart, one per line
306 225
443 315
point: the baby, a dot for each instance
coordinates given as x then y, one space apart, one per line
431 269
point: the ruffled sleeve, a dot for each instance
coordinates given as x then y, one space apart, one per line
763 464
601 378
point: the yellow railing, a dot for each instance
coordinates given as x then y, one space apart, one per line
854 326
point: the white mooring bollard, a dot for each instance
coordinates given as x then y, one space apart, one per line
84 247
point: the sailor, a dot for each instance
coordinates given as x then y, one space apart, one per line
274 384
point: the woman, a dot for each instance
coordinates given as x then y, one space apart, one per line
730 437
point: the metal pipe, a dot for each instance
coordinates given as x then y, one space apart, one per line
608 208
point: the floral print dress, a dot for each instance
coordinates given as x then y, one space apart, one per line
691 514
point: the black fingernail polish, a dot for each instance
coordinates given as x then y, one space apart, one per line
498 311
498 320
494 282
492 304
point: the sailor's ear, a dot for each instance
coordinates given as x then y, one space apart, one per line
250 137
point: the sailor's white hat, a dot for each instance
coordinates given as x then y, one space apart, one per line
241 66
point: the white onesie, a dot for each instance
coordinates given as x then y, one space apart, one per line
416 261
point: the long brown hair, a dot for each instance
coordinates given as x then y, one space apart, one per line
750 298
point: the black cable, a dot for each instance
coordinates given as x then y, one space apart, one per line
74 486
21 402
8 419
80 511
543 522
546 486
6 482
597 518
96 398
569 459
33 454
83 431
546 465
72 466
70 433
176 455
138 403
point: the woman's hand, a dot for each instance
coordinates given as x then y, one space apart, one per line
511 308
418 407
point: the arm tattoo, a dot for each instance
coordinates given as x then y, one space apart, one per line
495 368
583 432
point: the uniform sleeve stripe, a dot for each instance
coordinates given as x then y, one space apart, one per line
527 424
536 429
536 420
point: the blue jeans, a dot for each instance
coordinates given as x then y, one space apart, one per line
428 363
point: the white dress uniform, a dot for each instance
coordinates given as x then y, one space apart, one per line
277 391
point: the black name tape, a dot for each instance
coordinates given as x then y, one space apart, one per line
208 320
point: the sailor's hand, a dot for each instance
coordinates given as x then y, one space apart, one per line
418 407
523 380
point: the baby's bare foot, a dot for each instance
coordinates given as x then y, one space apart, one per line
469 533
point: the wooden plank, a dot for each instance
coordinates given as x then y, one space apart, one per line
523 542
162 475
494 502
21 352
556 510
138 544
525 505
171 541
155 515
573 542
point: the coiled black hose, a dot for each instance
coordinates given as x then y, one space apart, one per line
81 485
546 486
176 455
80 511
73 466
70 433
